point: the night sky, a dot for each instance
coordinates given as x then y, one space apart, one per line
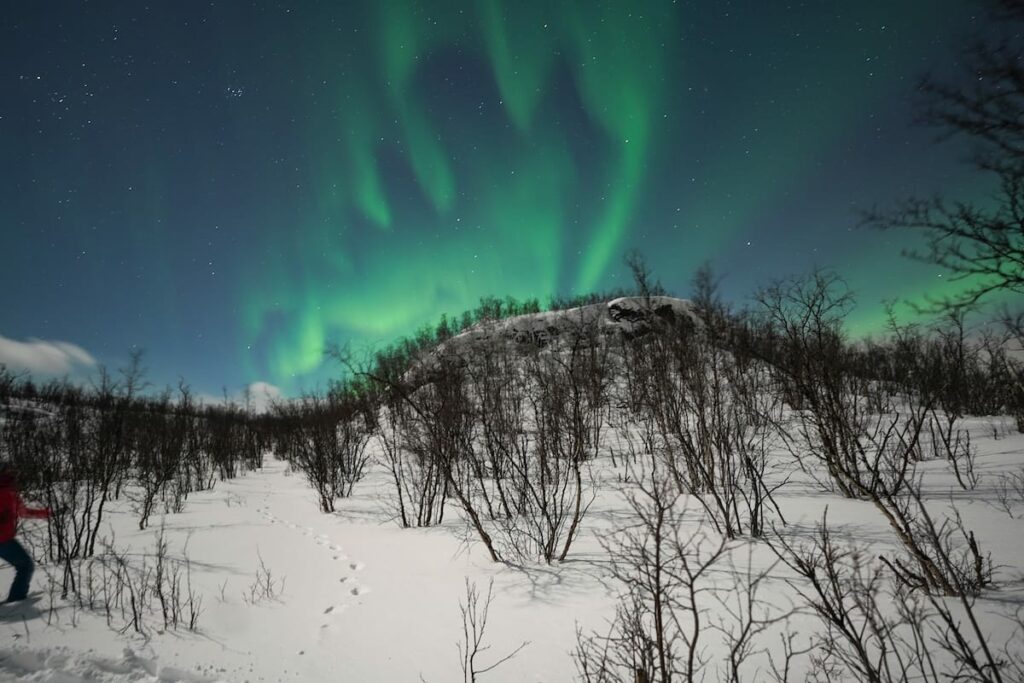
231 185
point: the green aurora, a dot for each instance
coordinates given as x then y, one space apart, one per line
495 197
281 178
495 205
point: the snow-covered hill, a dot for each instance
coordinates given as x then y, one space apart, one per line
289 593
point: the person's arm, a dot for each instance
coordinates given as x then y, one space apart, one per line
32 513
8 508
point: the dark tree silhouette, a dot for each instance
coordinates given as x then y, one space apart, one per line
980 243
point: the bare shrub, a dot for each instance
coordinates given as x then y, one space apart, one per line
671 613
474 626
509 438
265 585
954 446
942 557
657 631
876 629
801 336
419 480
130 590
330 445
550 484
715 412
441 427
159 447
1009 490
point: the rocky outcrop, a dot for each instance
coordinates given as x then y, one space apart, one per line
626 317
635 316
613 321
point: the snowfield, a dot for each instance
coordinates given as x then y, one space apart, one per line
292 594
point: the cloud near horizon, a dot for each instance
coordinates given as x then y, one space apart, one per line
260 396
42 356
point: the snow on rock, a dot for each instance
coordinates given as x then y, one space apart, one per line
634 316
625 317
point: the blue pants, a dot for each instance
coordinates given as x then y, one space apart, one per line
12 552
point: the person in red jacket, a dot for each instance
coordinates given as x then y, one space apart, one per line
11 510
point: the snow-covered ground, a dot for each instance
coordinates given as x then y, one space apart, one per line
359 599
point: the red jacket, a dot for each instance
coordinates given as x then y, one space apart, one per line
11 510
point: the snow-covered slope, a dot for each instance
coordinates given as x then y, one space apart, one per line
358 599
292 594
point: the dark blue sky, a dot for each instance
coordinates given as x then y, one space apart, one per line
232 185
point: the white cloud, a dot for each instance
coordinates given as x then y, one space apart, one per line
46 357
260 396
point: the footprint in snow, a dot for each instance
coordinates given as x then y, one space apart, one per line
329 614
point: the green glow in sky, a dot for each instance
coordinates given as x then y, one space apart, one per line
236 186
520 148
486 207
